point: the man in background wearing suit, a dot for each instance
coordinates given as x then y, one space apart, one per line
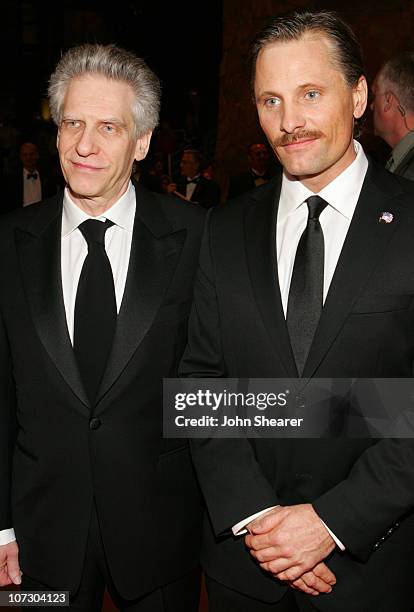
27 185
309 275
260 171
192 185
96 288
393 111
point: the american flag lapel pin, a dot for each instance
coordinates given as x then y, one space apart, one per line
386 217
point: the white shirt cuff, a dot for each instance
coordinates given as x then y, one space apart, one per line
7 536
240 528
335 539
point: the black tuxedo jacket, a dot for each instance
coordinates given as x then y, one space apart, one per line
13 188
58 452
206 193
361 488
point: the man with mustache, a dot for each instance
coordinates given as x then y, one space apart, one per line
310 275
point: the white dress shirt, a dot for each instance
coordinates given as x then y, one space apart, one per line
74 249
118 240
191 187
342 196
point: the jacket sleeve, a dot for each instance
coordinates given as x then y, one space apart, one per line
7 427
365 508
232 481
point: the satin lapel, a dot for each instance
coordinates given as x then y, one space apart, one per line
155 251
39 250
363 247
260 231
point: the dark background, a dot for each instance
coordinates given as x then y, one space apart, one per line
180 41
198 49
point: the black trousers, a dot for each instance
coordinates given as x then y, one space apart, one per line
180 596
223 599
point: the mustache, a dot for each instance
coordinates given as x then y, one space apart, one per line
287 139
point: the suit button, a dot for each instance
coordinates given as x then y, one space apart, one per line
95 423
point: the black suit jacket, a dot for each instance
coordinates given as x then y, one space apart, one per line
206 193
361 488
13 188
58 452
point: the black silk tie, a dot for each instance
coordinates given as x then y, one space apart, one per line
95 308
306 288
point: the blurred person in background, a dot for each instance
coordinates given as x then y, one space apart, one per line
393 111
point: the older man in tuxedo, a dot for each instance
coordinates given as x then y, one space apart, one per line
192 185
28 184
309 275
96 288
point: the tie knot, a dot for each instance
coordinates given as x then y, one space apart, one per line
31 175
316 205
94 230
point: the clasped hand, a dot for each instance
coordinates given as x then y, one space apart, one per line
291 543
9 564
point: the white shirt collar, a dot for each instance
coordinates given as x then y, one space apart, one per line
121 213
26 172
342 193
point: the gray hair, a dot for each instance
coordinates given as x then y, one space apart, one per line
398 72
113 63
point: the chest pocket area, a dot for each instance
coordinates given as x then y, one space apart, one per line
372 304
173 312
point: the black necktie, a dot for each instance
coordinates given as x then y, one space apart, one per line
306 287
32 175
95 308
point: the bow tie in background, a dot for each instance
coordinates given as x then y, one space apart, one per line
193 181
32 175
